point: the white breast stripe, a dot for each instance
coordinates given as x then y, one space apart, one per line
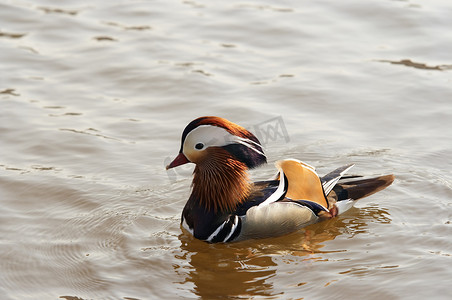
234 227
280 191
214 234
185 225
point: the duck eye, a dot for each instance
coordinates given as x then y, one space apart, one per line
199 146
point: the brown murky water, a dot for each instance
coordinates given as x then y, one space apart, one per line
94 97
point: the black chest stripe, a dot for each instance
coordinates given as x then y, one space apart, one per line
227 231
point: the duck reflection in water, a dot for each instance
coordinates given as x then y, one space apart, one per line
245 269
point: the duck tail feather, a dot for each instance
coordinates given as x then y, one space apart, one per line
357 189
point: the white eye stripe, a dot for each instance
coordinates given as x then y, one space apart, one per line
214 136
207 135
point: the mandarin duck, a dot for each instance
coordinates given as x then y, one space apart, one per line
225 206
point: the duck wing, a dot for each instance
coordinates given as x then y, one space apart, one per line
332 178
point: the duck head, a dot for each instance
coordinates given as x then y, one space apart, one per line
222 152
206 135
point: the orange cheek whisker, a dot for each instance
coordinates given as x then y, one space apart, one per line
220 182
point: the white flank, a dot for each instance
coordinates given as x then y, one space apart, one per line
276 219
